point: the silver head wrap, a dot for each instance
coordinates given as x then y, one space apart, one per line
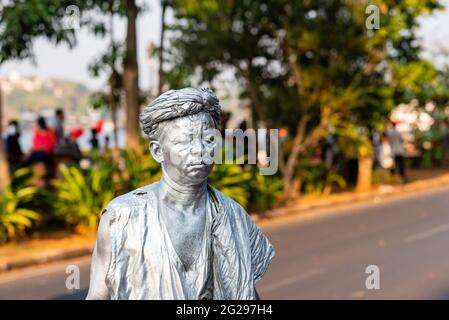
179 103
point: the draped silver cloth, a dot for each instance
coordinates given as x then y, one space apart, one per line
144 264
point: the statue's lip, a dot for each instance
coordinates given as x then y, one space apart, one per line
197 164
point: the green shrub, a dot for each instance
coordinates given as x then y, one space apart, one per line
431 146
138 171
233 181
14 216
264 191
245 185
317 179
81 195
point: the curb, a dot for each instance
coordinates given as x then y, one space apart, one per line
56 256
298 209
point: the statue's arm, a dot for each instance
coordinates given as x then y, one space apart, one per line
100 262
262 251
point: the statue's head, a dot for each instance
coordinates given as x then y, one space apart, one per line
181 125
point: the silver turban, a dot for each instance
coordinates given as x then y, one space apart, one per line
179 103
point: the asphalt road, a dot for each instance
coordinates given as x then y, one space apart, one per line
326 257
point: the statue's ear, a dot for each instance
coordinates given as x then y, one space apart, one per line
156 151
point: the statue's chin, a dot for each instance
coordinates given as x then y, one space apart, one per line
197 176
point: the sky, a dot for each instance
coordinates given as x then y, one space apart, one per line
62 63
434 33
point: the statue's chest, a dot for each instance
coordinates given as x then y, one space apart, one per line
185 236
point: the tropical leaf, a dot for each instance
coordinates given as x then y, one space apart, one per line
81 195
14 218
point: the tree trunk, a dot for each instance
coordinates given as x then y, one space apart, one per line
113 107
365 169
296 71
161 48
112 85
131 81
289 167
247 73
4 167
254 101
301 143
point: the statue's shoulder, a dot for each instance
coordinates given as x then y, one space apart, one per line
134 198
229 204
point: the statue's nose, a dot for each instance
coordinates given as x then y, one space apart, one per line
197 147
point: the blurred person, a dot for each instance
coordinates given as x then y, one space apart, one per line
376 140
107 141
68 149
330 148
42 147
59 125
73 144
385 156
13 149
99 126
94 140
397 149
44 138
446 142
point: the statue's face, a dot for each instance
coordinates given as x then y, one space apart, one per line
186 147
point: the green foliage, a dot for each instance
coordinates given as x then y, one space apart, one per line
15 217
45 18
431 145
138 171
264 190
353 140
81 195
232 180
178 78
317 179
245 185
109 63
310 61
419 80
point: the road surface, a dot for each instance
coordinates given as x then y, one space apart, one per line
407 238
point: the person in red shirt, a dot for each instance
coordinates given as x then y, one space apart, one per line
44 138
42 146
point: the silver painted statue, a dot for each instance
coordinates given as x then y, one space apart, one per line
178 238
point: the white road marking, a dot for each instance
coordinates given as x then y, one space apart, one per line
427 233
290 280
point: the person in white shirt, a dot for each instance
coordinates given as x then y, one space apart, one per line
397 149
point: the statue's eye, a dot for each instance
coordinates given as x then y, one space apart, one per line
184 139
